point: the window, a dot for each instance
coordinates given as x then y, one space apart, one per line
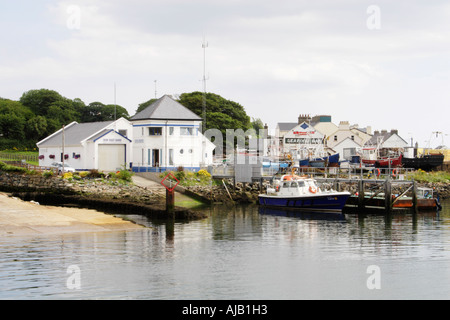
186 131
181 151
171 130
335 138
123 132
353 137
155 131
170 157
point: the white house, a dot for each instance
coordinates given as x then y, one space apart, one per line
167 135
303 141
105 146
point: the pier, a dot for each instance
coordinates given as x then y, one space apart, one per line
379 189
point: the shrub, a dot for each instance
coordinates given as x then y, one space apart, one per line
68 175
84 174
94 173
203 173
124 175
47 174
180 175
9 168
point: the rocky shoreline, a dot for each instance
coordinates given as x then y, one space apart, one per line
115 196
106 195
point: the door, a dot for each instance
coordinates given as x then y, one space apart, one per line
155 158
111 157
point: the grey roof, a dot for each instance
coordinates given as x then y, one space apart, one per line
285 126
383 136
165 108
75 133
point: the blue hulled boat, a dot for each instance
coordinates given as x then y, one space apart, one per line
303 193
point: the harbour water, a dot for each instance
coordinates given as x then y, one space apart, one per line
239 253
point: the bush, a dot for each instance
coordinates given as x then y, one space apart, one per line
9 168
180 175
68 175
124 175
83 174
47 174
203 173
94 173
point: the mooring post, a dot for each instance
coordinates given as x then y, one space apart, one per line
414 197
170 200
388 195
361 203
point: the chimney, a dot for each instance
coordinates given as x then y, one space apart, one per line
304 118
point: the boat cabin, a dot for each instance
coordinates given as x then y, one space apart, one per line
291 185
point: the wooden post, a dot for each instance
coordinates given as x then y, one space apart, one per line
170 200
361 203
388 196
414 197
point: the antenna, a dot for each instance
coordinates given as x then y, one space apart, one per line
204 46
155 89
115 105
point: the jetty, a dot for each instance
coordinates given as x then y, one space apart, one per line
379 189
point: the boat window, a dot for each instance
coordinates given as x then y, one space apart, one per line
294 185
301 183
286 184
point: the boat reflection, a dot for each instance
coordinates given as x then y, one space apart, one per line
302 214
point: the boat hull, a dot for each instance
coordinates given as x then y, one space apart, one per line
426 162
322 202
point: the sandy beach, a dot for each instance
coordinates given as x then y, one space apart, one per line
19 217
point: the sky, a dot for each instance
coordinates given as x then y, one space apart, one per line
384 64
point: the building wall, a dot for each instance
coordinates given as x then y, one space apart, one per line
70 151
176 143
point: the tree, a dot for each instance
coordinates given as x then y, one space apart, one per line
40 100
215 105
36 128
144 105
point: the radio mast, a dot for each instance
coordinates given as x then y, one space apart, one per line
204 46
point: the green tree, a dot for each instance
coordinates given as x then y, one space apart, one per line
36 128
40 100
144 105
215 105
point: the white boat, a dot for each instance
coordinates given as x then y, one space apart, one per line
294 191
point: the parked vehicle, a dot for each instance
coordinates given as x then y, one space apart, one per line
59 165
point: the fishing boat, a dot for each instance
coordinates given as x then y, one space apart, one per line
321 162
370 157
425 162
293 191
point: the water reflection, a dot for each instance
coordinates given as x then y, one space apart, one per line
239 252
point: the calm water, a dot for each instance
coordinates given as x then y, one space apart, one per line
239 253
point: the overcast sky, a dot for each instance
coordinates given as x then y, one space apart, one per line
384 64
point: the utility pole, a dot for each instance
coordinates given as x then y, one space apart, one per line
204 46
63 155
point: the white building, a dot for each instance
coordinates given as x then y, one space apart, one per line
167 135
303 141
105 146
164 136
